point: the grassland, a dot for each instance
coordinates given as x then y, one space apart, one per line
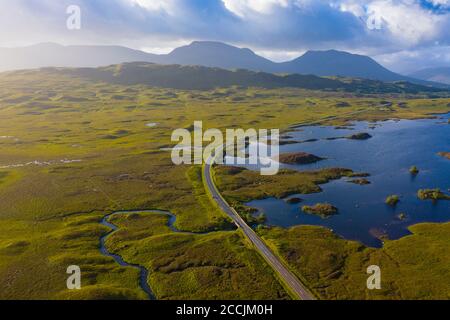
73 151
413 267
218 265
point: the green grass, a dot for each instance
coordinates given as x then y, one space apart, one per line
413 267
217 265
34 256
50 214
238 184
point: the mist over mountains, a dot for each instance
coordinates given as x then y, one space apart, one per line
208 54
441 75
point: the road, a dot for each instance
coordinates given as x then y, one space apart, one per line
294 284
289 279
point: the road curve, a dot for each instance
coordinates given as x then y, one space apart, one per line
290 280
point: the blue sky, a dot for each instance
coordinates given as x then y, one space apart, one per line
404 35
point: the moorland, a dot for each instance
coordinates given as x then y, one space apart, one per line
74 149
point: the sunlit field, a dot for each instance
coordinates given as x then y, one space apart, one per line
73 151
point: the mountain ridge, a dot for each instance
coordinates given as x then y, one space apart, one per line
203 53
206 78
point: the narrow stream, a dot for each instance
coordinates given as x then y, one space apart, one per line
143 272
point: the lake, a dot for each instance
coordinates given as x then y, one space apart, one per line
395 146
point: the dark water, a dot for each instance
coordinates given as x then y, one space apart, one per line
387 156
143 272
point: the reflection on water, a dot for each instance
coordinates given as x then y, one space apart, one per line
395 146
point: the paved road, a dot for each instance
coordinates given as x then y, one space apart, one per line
287 276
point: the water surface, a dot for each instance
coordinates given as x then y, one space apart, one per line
395 146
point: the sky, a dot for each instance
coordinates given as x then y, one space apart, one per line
404 35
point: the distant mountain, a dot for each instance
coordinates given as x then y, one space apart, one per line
204 78
205 53
208 54
338 63
220 55
55 55
441 75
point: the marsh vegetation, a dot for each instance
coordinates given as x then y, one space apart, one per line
50 215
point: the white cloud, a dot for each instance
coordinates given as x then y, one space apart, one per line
406 21
443 3
243 7
154 5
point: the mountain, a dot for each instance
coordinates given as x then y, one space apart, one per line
220 55
206 53
55 55
441 74
201 53
338 63
204 78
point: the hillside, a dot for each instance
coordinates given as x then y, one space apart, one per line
204 78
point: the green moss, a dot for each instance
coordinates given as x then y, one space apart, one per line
321 209
414 170
392 200
432 194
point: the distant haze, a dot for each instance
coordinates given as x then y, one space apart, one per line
441 75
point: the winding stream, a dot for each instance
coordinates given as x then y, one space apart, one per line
143 272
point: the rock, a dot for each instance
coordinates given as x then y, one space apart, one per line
445 154
293 200
360 181
402 216
299 158
359 136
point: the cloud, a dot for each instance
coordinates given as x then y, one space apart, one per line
243 7
404 21
154 5
276 27
408 61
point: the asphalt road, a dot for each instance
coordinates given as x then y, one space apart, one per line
295 285
287 276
